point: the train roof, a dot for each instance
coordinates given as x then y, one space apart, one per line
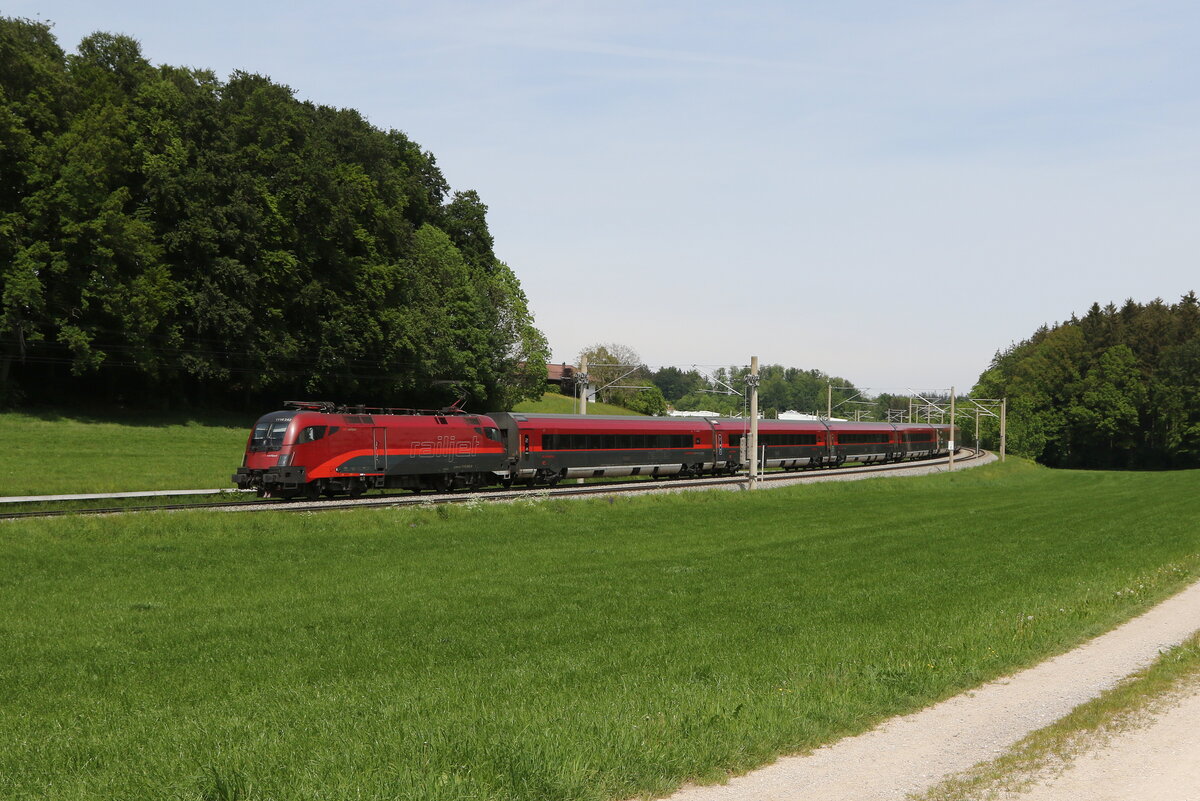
679 420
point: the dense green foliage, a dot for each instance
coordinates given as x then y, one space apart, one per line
780 389
548 649
167 235
1117 388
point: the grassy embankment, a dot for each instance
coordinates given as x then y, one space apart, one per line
547 649
554 403
50 453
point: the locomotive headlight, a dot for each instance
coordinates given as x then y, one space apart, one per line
285 459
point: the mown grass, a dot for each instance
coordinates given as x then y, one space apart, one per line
52 453
554 403
547 649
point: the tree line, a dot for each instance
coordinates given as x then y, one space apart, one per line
617 374
167 235
1117 388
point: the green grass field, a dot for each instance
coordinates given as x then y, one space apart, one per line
547 649
50 453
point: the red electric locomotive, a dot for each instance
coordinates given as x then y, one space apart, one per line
314 449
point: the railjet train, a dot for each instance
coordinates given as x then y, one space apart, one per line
317 448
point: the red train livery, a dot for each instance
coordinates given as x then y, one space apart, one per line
317 448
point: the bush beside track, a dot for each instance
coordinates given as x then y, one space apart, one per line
575 650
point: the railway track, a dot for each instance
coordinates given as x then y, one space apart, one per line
638 486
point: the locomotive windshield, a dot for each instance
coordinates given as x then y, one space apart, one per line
268 433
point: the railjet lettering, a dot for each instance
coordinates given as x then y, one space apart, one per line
448 445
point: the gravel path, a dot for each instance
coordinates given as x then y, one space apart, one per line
1159 761
912 753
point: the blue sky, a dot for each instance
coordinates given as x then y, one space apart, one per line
886 191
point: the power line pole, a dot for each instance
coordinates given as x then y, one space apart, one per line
950 464
583 385
752 383
829 401
1003 427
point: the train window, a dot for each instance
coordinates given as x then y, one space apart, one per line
268 434
862 439
259 439
624 441
310 434
493 434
